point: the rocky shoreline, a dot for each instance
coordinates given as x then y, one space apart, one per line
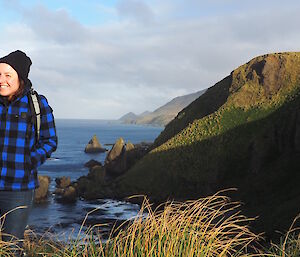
100 181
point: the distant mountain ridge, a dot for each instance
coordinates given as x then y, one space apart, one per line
128 118
164 114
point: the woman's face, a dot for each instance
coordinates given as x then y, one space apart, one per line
9 80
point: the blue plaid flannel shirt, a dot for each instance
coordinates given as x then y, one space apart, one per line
20 156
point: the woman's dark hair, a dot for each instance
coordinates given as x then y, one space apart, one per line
19 91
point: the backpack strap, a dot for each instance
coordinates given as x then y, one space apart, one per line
33 99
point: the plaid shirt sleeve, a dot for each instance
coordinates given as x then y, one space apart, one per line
48 139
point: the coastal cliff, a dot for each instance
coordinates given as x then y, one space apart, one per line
243 132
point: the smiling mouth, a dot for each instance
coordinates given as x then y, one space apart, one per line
4 86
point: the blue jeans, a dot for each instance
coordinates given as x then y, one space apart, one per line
16 220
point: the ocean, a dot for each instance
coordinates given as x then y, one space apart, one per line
64 220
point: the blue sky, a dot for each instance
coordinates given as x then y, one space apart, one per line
102 59
89 13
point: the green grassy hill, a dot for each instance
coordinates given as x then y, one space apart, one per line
261 81
243 132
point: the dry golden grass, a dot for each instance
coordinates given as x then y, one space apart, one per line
211 226
7 248
289 245
207 227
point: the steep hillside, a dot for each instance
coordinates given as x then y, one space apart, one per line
206 104
243 132
261 81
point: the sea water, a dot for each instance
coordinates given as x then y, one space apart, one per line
68 160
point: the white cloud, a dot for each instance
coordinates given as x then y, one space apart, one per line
154 52
57 27
136 10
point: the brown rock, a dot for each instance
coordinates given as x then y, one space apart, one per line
115 162
94 146
90 164
97 174
41 193
66 195
83 185
117 149
69 195
59 191
63 182
129 146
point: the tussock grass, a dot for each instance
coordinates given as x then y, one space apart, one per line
211 226
8 248
289 245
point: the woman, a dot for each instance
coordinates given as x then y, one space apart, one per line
20 155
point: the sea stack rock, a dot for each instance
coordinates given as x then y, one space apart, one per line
91 163
41 193
94 146
69 195
115 162
65 192
63 182
116 151
129 146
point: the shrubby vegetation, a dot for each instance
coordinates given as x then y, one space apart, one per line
243 132
210 226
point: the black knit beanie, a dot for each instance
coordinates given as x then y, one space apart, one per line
20 62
